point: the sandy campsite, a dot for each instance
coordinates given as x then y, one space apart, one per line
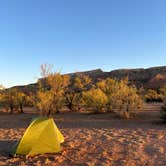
92 140
82 83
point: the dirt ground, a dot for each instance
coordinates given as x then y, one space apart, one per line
93 140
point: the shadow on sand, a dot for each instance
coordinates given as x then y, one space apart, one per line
6 147
71 120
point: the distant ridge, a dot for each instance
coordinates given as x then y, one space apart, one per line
153 77
157 81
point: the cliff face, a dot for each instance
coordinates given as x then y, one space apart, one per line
154 77
157 81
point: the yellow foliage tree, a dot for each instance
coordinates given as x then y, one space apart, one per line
95 99
126 99
45 103
51 92
121 97
21 100
109 87
152 95
9 101
73 95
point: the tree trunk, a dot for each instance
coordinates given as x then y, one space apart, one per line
21 108
127 113
71 107
57 111
11 109
49 113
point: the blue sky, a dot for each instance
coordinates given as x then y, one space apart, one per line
76 35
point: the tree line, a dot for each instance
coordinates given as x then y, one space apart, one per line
56 92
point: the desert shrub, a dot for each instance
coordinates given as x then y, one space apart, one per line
73 100
45 71
30 99
152 96
59 85
109 87
9 101
163 92
95 99
46 103
73 94
21 99
13 99
50 97
126 100
122 98
1 99
163 109
142 92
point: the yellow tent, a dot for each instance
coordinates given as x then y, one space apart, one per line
42 136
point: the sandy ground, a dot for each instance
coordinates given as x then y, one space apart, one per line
93 140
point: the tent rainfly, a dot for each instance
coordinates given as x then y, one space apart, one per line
42 136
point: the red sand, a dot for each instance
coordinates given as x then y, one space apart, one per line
93 140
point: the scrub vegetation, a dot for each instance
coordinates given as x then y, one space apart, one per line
56 92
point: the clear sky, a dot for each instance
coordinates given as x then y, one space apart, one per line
77 35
